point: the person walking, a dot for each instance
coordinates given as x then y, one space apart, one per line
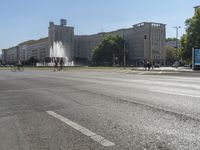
148 65
55 65
19 64
61 64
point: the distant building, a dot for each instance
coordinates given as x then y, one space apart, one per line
38 49
144 41
9 55
173 43
64 34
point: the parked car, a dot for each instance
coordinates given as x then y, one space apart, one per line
188 66
156 66
2 65
175 64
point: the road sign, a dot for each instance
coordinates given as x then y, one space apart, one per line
196 59
197 56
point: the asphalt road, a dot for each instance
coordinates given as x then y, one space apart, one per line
99 110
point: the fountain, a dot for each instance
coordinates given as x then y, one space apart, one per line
57 51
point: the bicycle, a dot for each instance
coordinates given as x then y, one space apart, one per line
15 68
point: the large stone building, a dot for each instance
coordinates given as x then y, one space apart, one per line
38 49
144 41
63 34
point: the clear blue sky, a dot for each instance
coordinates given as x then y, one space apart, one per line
22 20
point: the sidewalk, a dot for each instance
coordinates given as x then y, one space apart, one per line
167 69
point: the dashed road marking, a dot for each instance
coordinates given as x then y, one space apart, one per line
82 129
174 93
141 73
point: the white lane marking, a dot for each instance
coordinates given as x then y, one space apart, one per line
141 73
161 71
82 129
174 93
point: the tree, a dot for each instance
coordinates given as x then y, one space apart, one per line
171 39
111 47
32 61
171 55
192 37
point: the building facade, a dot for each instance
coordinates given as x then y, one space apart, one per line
64 35
38 49
9 55
144 41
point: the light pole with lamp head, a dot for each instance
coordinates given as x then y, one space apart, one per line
177 28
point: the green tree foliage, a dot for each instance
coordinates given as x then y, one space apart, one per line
32 61
172 55
171 39
111 46
192 37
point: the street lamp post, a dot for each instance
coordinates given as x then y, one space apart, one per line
124 54
177 41
124 48
177 28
